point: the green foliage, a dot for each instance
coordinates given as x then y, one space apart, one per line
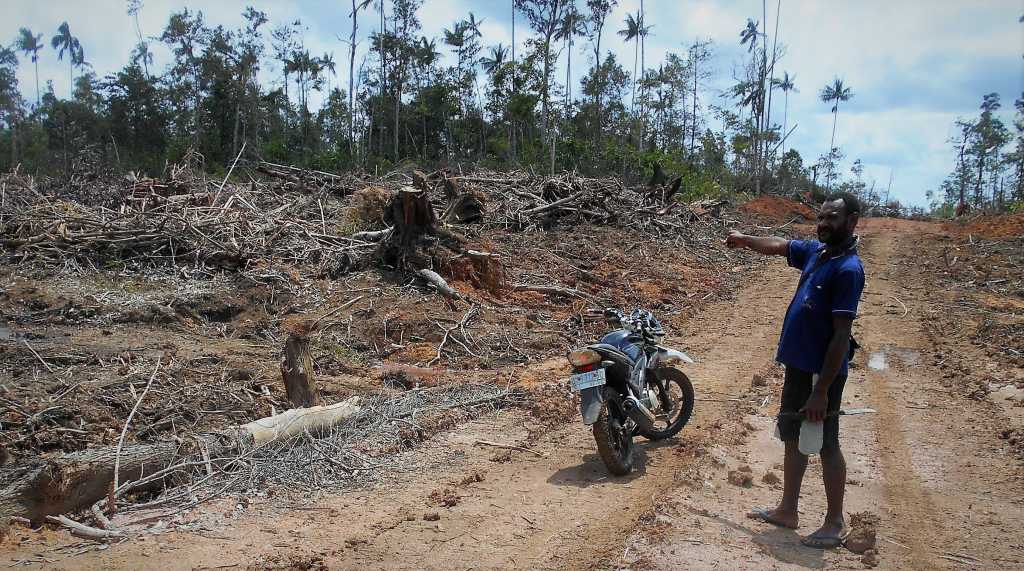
405 106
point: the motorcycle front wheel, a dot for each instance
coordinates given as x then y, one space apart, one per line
614 442
678 394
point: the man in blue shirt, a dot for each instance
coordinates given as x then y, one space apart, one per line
815 348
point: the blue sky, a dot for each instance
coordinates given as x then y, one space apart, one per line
914 65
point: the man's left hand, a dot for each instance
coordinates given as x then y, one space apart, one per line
815 407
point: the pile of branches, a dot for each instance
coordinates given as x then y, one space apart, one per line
177 220
295 218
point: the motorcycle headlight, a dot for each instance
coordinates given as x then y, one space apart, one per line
582 357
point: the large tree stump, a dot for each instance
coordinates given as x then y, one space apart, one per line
297 371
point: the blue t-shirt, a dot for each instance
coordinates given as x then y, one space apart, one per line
827 287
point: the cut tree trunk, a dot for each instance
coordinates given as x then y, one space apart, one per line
72 482
297 372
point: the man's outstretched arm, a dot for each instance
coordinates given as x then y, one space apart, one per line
769 245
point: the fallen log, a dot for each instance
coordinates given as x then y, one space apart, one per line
85 531
75 481
438 282
554 290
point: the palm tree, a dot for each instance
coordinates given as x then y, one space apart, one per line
493 62
836 92
633 31
31 45
327 65
65 42
749 34
786 84
572 25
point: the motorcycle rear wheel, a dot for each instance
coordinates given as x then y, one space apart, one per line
614 443
681 389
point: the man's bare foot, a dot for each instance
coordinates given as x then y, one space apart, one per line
777 516
830 535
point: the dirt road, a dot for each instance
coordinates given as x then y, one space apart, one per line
929 464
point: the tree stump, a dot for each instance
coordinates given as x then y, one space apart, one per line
297 372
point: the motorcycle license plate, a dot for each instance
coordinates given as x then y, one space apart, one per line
586 380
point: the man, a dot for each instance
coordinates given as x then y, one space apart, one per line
815 347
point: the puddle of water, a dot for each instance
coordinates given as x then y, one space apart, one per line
879 360
6 334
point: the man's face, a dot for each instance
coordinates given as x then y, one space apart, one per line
834 225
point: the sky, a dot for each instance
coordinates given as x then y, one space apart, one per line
914 66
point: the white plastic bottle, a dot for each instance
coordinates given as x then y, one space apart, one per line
811 437
811 433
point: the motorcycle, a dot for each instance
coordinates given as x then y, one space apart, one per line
629 385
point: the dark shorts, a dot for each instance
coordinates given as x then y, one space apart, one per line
795 392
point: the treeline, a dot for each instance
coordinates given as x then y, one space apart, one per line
495 105
989 170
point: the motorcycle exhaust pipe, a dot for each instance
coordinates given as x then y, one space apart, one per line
635 410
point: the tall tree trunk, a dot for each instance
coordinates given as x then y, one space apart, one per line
37 81
515 85
598 131
832 145
643 66
785 120
352 82
398 108
693 132
835 119
636 59
771 79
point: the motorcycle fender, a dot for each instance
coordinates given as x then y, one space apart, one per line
591 401
666 356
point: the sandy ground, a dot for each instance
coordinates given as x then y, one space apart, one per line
930 464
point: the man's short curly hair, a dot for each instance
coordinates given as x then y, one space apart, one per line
851 204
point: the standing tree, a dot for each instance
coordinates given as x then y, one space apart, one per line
352 43
31 45
836 93
989 136
134 7
572 25
544 17
786 84
599 10
186 35
633 31
65 42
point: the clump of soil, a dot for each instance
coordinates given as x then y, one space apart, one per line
742 479
863 532
291 562
771 478
502 457
472 479
778 208
445 498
